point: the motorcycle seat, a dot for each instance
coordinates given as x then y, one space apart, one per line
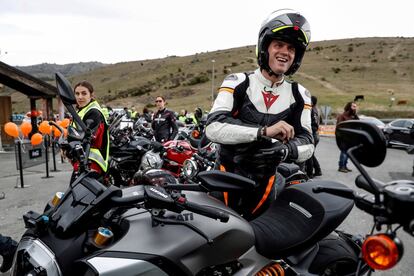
299 218
287 169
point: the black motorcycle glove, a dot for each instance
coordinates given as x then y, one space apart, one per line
273 155
292 153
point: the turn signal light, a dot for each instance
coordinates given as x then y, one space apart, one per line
274 269
195 133
381 251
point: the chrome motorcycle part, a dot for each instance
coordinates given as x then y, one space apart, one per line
151 160
190 168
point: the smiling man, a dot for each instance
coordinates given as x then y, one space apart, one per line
252 107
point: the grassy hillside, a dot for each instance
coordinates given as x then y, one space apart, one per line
335 71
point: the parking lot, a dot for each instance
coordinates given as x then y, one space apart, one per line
17 201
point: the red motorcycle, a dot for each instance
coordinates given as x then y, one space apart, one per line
176 152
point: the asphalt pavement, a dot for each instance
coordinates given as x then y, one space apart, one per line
39 189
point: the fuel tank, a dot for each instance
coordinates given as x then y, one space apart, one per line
181 243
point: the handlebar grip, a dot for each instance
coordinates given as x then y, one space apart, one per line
207 211
362 183
126 201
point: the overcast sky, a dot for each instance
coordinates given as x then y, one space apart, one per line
67 31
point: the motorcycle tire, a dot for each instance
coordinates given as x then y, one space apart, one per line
113 177
335 257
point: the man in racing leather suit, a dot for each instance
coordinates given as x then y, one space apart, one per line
163 122
251 108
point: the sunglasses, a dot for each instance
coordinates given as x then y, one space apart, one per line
158 101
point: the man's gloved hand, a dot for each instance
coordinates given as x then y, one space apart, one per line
270 156
278 153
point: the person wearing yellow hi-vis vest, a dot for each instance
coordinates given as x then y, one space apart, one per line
89 109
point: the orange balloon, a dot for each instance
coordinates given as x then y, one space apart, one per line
36 139
45 128
59 123
26 127
65 122
11 129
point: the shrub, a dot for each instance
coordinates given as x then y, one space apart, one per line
226 70
201 78
336 70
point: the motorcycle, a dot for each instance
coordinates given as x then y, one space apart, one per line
174 154
131 150
174 229
127 159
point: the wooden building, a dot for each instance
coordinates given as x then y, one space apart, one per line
34 88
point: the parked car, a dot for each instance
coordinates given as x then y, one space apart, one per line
380 124
400 133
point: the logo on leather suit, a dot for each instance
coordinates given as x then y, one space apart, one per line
269 98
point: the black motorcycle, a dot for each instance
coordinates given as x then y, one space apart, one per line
125 161
174 229
130 151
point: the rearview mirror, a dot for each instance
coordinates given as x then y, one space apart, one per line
64 89
368 136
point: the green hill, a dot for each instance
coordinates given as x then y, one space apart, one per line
46 71
335 71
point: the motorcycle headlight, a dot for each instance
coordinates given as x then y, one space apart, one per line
190 168
34 258
151 160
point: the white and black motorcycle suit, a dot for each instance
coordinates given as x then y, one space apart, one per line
245 103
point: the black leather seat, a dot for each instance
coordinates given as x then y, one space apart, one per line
299 218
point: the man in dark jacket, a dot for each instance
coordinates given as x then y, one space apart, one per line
163 122
350 113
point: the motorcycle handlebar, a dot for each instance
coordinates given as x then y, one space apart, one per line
203 160
206 211
362 183
120 201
